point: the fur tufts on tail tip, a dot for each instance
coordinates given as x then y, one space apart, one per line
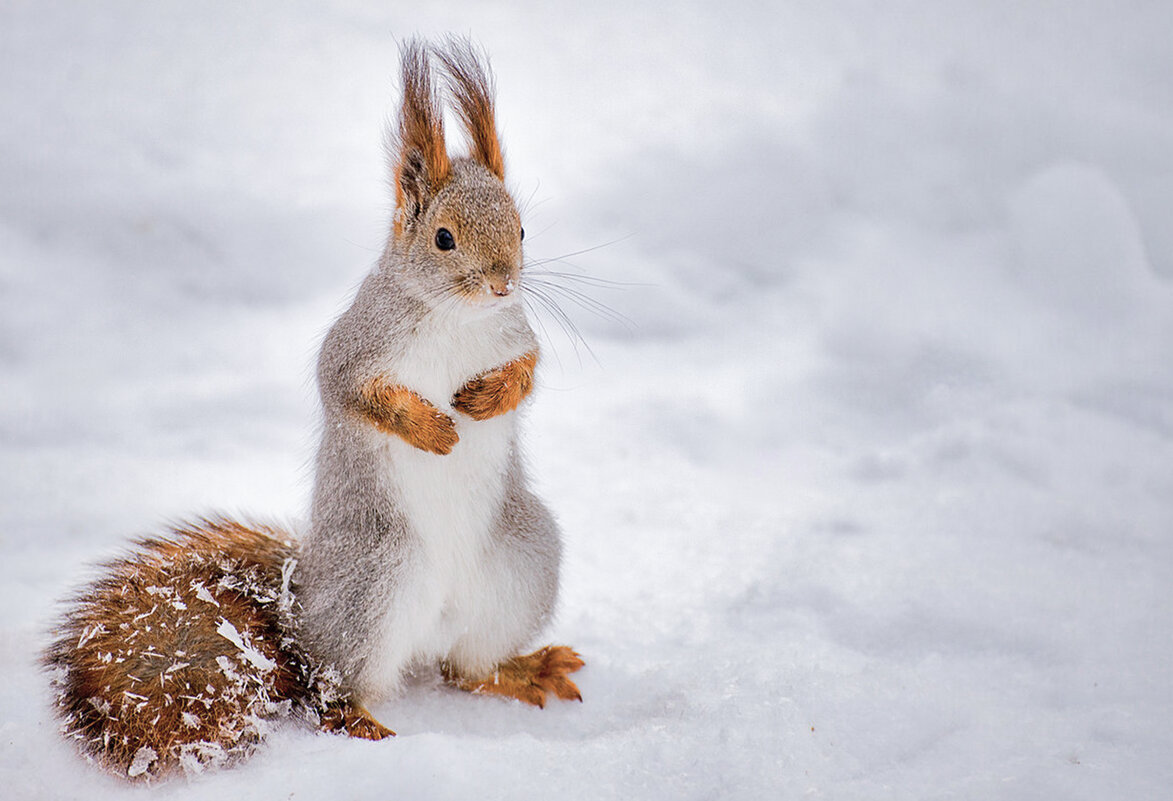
182 654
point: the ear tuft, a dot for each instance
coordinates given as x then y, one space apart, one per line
471 84
420 156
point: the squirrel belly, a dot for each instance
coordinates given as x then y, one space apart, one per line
441 557
182 654
481 578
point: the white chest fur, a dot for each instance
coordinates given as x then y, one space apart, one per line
450 501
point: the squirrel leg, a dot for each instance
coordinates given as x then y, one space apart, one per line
528 678
395 409
499 390
353 719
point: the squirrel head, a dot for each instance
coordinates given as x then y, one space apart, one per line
457 232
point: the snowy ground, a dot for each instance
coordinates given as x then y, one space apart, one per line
874 498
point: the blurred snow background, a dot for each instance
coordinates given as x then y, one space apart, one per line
874 497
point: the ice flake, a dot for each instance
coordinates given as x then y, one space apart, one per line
286 597
258 660
89 632
142 761
203 593
227 668
204 753
145 614
327 682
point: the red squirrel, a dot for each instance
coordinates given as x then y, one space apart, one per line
424 545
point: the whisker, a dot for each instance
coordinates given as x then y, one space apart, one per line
534 314
588 303
531 236
444 300
526 205
539 268
569 328
591 249
545 286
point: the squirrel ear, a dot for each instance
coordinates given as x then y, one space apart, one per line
417 148
471 83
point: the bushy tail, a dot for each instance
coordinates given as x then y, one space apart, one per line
183 653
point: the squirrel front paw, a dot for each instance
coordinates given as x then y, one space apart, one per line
397 410
432 431
497 391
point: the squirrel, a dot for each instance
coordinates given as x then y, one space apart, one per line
424 545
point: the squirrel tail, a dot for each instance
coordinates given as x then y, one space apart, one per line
183 654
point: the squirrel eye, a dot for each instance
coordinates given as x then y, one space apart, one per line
444 239
523 234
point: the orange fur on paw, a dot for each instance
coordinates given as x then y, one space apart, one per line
498 391
354 720
529 678
397 410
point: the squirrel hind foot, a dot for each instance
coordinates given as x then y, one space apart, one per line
354 720
529 678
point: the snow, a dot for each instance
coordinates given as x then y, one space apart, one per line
250 653
142 761
874 497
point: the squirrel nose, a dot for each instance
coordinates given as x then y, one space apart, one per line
501 285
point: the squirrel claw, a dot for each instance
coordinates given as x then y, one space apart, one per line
438 436
355 721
